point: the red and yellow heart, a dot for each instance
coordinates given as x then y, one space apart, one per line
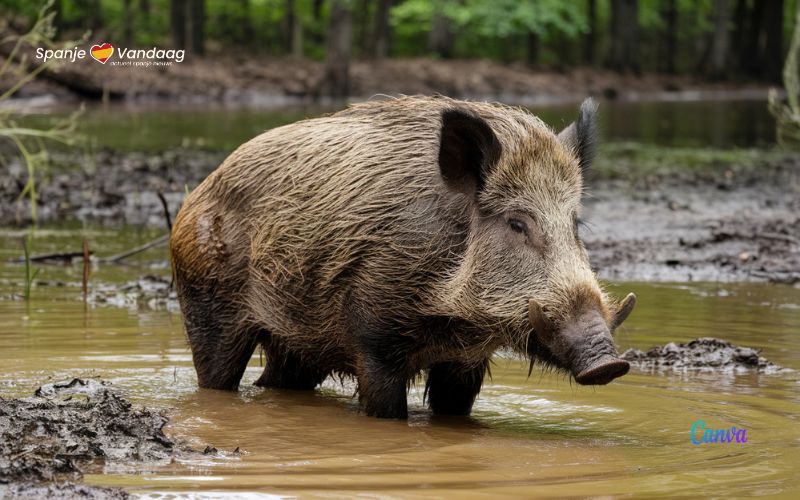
102 53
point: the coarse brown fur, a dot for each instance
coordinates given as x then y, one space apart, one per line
343 245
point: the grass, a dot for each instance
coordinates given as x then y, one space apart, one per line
635 160
30 273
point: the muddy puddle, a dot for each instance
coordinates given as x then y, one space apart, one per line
541 436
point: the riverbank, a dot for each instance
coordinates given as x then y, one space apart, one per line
259 81
652 213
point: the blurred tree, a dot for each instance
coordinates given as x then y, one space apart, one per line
669 43
382 31
721 39
624 53
177 16
590 38
294 30
751 62
336 81
773 44
144 10
197 19
440 40
127 23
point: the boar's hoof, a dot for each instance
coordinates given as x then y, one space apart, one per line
603 371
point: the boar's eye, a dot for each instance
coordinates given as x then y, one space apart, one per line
518 226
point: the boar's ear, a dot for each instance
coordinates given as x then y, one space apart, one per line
580 136
467 152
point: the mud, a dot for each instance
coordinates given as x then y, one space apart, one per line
106 187
272 81
721 222
149 291
716 224
705 353
48 441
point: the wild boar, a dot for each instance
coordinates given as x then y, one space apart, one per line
396 237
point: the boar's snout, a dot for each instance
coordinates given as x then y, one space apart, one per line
582 345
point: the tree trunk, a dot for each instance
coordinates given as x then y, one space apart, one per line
246 36
739 35
144 10
336 82
382 32
720 43
773 46
590 39
669 14
197 26
440 40
363 27
624 54
294 30
127 23
532 52
94 14
177 18
753 51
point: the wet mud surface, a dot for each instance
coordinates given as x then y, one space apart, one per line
720 225
48 441
716 224
705 353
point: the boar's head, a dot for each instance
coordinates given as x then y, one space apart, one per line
525 275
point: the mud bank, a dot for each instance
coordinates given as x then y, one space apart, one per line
725 220
723 223
276 81
48 441
705 353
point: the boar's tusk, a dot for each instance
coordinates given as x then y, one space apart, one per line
537 319
623 311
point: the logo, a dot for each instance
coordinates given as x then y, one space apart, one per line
701 435
101 53
123 56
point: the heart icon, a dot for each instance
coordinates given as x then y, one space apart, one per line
102 53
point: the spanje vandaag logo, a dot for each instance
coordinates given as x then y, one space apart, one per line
116 56
702 435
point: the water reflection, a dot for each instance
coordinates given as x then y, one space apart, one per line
707 123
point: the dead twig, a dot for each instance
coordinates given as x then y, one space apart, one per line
61 257
164 205
141 248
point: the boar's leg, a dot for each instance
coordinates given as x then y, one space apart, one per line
382 372
451 388
383 394
286 370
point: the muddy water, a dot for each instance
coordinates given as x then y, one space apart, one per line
541 436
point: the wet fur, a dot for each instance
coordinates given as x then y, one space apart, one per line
340 246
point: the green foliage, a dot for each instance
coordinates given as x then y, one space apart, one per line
787 115
498 29
627 160
30 273
486 26
29 142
